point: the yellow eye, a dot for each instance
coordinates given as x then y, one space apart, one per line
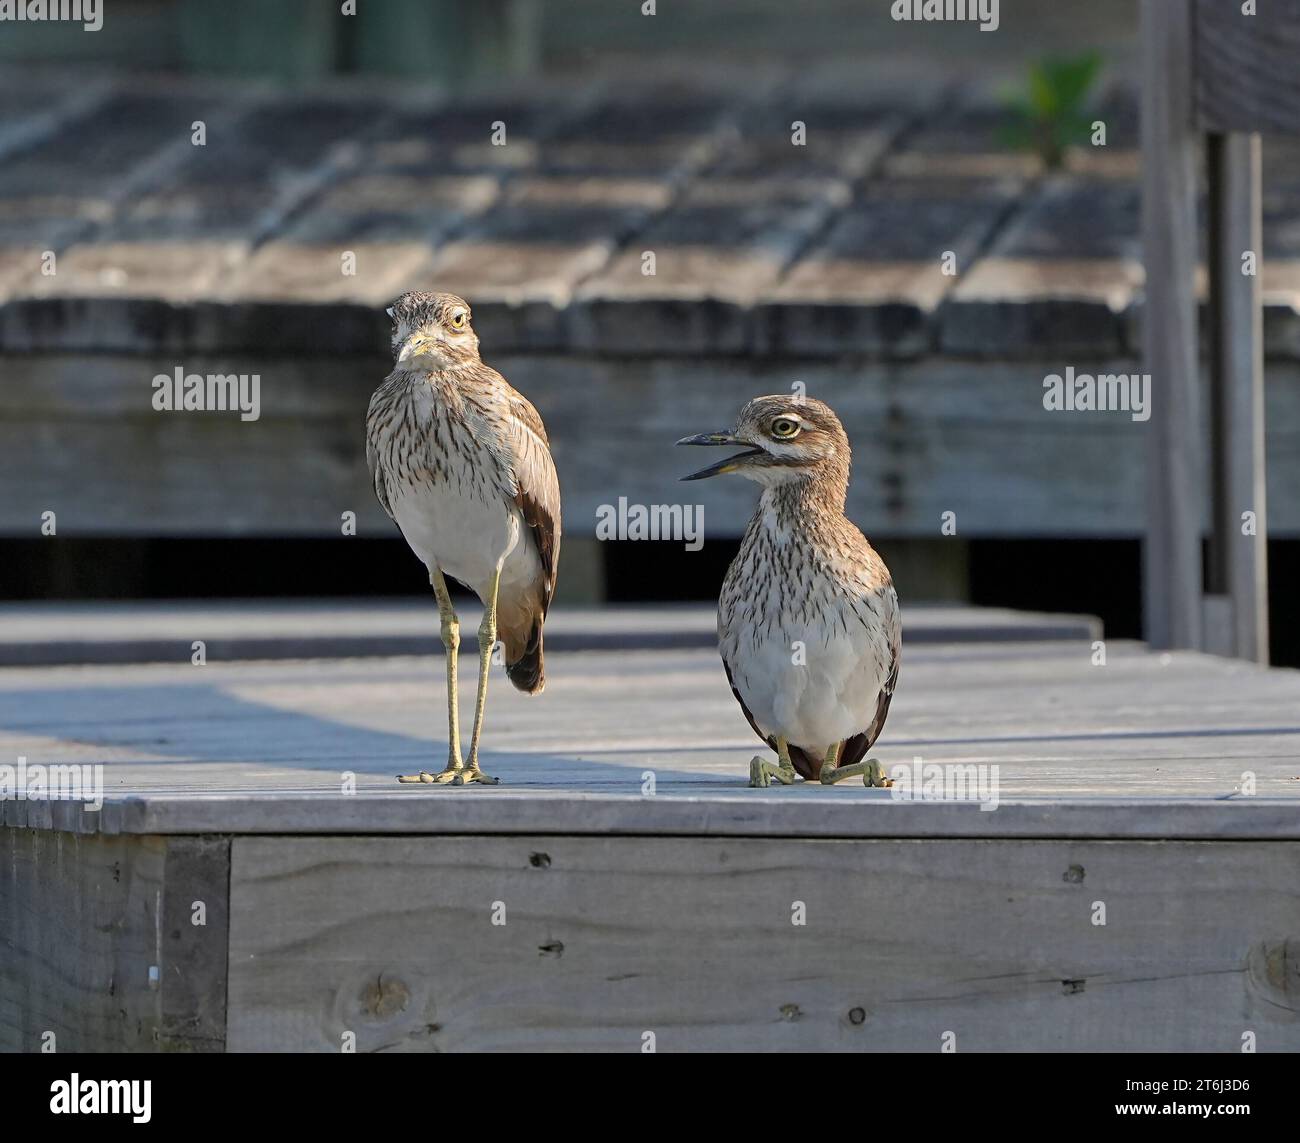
783 428
458 320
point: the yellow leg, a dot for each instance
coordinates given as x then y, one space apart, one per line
450 631
761 771
487 640
873 774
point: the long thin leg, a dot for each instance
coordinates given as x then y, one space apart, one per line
487 640
450 631
873 774
762 771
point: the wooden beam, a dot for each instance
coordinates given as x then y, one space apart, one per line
1238 565
109 465
556 943
102 949
1175 488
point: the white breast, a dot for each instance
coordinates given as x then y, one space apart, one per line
807 634
453 498
816 683
452 528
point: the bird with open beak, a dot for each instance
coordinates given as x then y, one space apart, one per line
808 621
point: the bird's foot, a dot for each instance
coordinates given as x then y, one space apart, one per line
456 773
762 771
873 774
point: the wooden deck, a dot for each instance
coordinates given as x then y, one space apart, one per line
776 264
579 906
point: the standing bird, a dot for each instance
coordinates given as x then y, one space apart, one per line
808 621
461 462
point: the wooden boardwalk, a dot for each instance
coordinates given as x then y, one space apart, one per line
775 264
624 881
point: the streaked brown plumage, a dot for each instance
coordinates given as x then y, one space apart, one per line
808 621
461 461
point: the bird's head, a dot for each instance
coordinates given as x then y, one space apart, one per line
788 439
432 331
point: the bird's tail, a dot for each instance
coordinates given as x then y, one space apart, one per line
526 668
807 765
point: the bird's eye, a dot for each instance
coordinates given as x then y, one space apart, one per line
783 428
458 320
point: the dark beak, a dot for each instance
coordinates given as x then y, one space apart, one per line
726 437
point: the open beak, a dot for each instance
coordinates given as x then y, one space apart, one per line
730 464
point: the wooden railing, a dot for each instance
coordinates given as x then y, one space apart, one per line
1227 71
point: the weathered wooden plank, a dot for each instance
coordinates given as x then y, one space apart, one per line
100 950
520 264
802 147
1059 277
1185 745
188 223
155 255
1171 565
582 813
841 139
38 106
484 134
874 281
774 945
1245 69
1238 563
1008 306
82 168
193 945
176 230
45 634
79 436
722 243
384 223
77 958
660 129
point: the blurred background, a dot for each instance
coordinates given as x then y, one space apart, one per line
916 222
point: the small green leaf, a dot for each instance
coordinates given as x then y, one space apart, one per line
1047 115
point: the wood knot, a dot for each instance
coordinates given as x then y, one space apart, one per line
382 1005
1073 875
1273 970
540 860
384 997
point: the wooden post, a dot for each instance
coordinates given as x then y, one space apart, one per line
1175 482
1238 567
